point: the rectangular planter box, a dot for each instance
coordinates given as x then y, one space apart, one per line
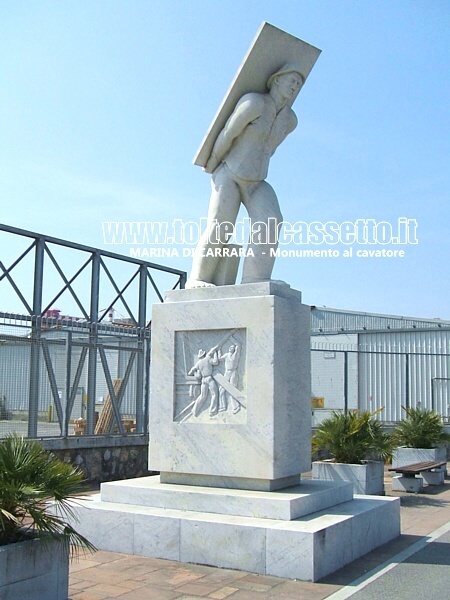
32 572
409 456
367 479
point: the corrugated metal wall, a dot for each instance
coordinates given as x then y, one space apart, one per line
328 355
331 320
408 368
15 373
382 384
386 370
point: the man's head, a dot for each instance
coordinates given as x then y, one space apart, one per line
286 68
288 80
201 353
232 348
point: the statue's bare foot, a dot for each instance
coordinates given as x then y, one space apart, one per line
197 283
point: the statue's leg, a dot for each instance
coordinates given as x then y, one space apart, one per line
213 408
223 208
200 400
262 206
234 380
222 399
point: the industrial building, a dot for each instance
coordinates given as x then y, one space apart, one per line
359 361
372 361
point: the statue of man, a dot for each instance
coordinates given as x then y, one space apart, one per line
231 359
239 164
203 369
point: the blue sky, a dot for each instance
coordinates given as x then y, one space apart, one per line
104 104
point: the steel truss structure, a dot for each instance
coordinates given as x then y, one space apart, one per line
87 339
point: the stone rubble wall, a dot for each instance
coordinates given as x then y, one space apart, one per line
104 459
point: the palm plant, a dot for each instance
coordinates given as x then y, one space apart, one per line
352 437
422 428
29 478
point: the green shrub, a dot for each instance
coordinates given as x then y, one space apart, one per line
352 437
30 477
421 429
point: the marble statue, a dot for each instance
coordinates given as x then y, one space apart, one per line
238 164
208 387
231 359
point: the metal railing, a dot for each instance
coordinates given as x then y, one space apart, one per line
54 363
376 380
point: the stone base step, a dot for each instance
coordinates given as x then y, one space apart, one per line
287 504
306 548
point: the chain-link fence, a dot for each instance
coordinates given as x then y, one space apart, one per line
75 375
60 400
346 379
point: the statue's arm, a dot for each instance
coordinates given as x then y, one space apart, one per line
194 368
292 121
291 124
247 110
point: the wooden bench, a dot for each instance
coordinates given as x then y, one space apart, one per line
407 481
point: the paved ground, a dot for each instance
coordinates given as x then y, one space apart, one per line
21 428
426 572
107 575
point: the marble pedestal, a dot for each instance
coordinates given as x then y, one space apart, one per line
261 440
231 434
304 532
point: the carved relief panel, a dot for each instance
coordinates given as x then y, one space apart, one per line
210 377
